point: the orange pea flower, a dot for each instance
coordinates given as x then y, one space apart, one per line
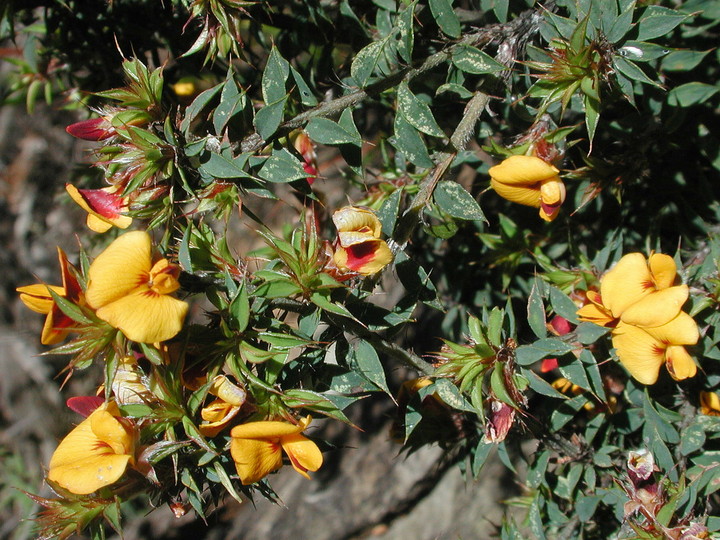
360 248
257 449
96 453
530 181
38 298
132 294
104 207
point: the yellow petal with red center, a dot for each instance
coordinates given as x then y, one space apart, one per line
109 429
56 328
640 353
663 270
366 258
679 363
656 308
528 196
682 330
122 268
304 454
255 458
103 207
626 283
522 170
37 297
83 462
351 218
145 316
164 277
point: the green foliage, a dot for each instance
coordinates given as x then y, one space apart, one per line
480 298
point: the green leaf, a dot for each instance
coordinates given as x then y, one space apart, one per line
692 439
574 371
658 21
543 348
445 17
198 104
225 166
633 72
365 361
588 332
592 115
307 97
325 131
269 118
449 393
683 60
417 112
274 77
278 289
692 93
366 61
407 37
562 305
408 141
232 101
240 308
622 24
536 312
282 167
472 60
454 200
388 212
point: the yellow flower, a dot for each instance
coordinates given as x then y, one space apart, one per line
256 448
94 454
38 298
710 403
633 278
530 181
219 412
132 294
637 298
104 207
643 350
360 248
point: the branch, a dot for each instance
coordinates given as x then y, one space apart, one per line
517 30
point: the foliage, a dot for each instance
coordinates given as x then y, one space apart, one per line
226 104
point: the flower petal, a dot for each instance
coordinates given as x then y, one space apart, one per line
526 195
83 462
682 330
98 224
255 458
304 454
264 429
366 258
90 473
352 218
626 283
145 316
656 308
37 297
679 363
522 170
663 270
710 403
110 430
120 269
595 314
640 353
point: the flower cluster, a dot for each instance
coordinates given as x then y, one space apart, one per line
639 300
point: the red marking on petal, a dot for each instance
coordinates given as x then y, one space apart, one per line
84 405
359 255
